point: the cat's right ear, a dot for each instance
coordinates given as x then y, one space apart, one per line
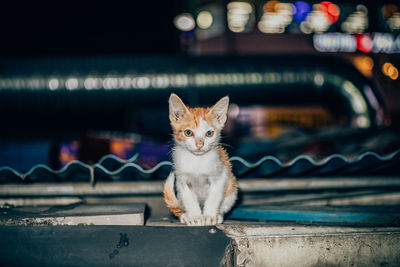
177 109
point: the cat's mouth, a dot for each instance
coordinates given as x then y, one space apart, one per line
199 151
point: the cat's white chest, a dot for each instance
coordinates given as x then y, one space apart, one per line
208 164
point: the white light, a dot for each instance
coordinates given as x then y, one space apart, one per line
356 99
141 82
89 83
318 21
357 22
384 42
394 21
362 121
240 7
253 78
180 80
204 20
72 83
200 79
319 79
125 82
239 15
160 82
53 84
276 22
33 84
110 83
334 42
184 22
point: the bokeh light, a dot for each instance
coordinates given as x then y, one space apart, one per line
204 20
390 70
330 10
72 83
184 22
364 64
364 42
239 15
301 10
276 17
356 22
391 13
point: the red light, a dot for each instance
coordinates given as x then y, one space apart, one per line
330 10
364 42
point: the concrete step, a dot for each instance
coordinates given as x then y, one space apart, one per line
289 244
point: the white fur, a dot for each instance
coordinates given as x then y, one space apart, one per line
200 179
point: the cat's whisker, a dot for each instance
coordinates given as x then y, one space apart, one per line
225 145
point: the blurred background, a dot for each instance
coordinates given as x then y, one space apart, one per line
79 81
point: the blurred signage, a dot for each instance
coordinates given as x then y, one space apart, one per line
367 43
354 20
267 121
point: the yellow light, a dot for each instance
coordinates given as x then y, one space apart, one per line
364 64
385 68
204 20
391 71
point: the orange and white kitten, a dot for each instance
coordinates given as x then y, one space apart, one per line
205 186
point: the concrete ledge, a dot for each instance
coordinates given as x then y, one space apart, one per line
80 214
294 245
155 187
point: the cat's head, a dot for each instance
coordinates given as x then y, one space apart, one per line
197 129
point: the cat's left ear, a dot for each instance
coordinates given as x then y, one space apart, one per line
219 110
177 109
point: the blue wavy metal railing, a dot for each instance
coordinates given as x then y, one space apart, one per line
112 168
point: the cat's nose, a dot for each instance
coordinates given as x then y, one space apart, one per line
199 143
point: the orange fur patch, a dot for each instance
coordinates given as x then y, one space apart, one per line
231 185
172 202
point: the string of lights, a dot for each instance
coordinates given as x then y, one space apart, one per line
153 81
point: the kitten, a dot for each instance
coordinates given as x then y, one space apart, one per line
205 186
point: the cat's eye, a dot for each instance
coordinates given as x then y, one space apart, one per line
209 133
188 133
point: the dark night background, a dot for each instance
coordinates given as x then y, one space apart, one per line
67 28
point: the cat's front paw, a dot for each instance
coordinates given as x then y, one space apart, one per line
192 220
184 218
210 220
195 220
220 218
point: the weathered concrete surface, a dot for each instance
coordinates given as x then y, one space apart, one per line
111 246
267 245
79 214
